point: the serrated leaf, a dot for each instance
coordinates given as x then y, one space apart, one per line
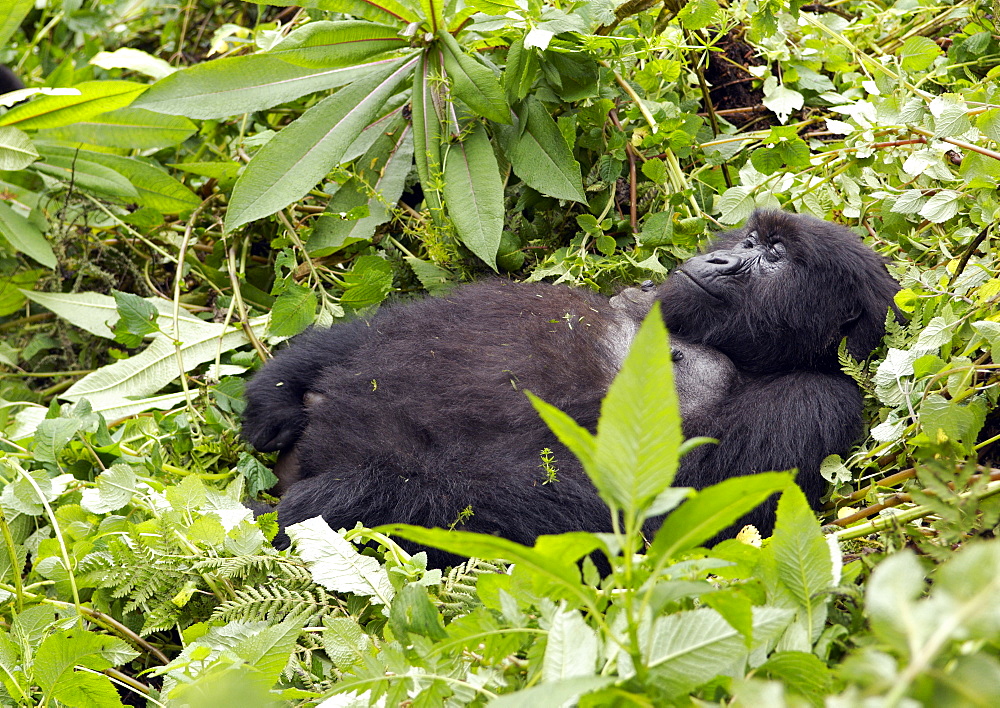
61 651
735 205
294 160
24 237
942 206
767 161
951 116
368 283
714 509
781 99
336 564
918 53
558 693
911 201
689 648
16 149
802 557
989 124
95 97
542 158
473 193
383 169
293 311
472 82
115 487
571 649
639 431
890 598
697 14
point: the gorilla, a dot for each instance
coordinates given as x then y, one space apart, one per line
418 414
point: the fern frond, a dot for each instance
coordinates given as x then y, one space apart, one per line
273 603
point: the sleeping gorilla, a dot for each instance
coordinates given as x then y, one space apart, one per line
418 412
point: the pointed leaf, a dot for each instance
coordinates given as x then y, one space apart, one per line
86 175
639 431
427 127
575 437
713 509
542 158
571 649
24 237
474 83
298 157
127 128
234 85
802 557
95 97
473 193
13 12
16 150
375 10
557 693
330 44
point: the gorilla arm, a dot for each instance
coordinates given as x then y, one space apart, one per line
774 422
276 396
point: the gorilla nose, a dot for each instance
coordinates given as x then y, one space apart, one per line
723 261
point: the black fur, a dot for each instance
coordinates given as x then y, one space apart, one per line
419 412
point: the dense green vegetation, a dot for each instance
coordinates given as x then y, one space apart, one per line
184 185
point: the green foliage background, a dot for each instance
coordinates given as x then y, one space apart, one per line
185 185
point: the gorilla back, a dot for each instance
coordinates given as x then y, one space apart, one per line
418 414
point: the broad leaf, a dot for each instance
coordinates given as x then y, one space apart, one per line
802 557
336 564
474 83
383 169
541 157
713 510
128 128
473 192
95 97
331 44
557 693
11 16
292 162
639 431
16 150
234 85
293 311
86 175
24 237
571 649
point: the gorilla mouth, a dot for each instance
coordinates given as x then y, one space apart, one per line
699 284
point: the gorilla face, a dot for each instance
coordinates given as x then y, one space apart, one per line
781 293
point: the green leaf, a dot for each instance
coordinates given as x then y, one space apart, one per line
234 85
380 11
571 649
128 128
559 571
802 557
989 124
12 297
16 150
520 72
435 279
473 83
918 53
61 651
24 237
557 693
541 157
293 311
95 97
804 674
258 477
412 611
336 564
81 689
767 161
890 601
639 431
714 509
473 192
427 127
369 281
697 14
383 169
345 43
269 649
85 174
294 160
794 152
689 648
11 16
735 205
136 318
942 206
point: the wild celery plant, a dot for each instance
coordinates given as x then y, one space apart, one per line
671 616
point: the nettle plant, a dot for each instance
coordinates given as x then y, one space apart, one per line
413 91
